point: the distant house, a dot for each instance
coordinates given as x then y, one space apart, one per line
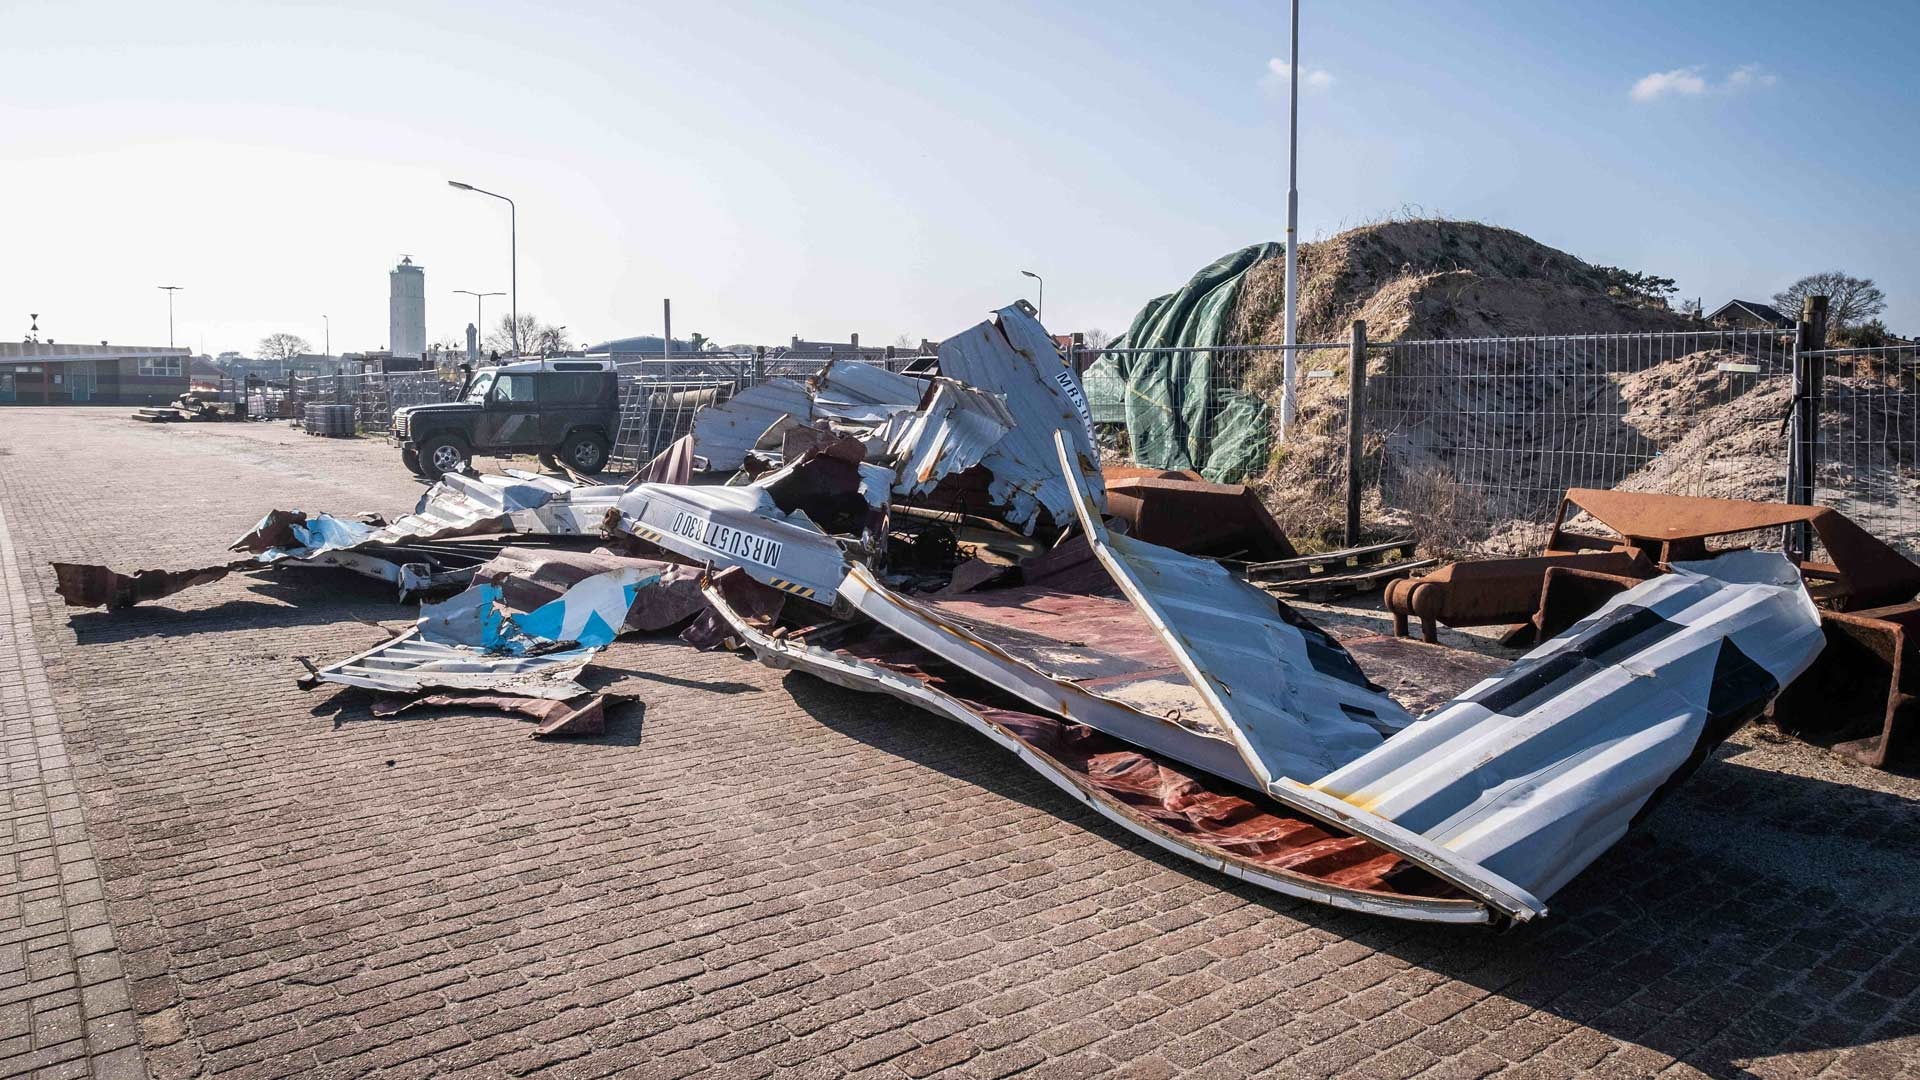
1749 315
43 373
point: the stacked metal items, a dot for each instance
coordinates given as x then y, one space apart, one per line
947 538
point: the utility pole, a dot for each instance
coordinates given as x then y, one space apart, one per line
170 290
1290 366
326 322
666 337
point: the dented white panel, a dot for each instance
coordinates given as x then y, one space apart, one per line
1538 770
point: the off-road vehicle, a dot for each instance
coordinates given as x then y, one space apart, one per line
566 411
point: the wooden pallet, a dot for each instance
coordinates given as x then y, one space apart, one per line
1337 573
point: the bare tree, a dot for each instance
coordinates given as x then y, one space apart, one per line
535 336
1850 300
548 339
283 346
1098 338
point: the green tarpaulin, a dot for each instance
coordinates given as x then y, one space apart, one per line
1186 410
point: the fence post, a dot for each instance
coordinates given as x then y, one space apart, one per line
759 369
1809 370
1356 423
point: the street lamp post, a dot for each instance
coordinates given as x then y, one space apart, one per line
479 319
326 323
1290 364
170 290
513 253
1040 308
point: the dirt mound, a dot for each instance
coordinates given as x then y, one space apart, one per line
1438 279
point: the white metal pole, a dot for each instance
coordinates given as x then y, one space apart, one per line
1291 366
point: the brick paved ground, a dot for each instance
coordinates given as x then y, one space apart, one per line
758 873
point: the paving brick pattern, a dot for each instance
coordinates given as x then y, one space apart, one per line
756 873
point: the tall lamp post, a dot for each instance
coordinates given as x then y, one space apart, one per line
479 321
513 253
1040 308
326 323
170 290
1290 364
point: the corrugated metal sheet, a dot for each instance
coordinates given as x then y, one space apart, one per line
1011 355
1155 708
1510 791
411 663
470 642
956 429
1276 709
724 433
1285 855
863 393
1538 770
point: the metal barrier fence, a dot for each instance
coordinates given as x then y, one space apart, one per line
658 396
1468 443
1866 431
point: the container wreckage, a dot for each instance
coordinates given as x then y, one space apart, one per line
946 537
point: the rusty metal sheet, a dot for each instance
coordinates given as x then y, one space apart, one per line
1494 592
585 716
1147 705
1864 571
82 585
1220 828
1198 518
1011 355
1862 696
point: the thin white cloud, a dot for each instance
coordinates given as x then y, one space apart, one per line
1692 82
1750 75
1275 80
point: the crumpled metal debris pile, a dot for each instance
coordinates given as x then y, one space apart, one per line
949 538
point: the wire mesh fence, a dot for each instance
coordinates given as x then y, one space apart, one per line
1867 439
1472 442
1468 443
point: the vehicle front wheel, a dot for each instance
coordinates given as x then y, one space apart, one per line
411 459
441 454
585 452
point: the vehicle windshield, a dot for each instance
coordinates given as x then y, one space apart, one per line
477 393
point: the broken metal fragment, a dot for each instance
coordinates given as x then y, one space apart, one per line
556 719
1012 356
82 585
1213 825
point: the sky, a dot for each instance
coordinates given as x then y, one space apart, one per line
817 169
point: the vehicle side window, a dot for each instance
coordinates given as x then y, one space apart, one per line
573 387
513 389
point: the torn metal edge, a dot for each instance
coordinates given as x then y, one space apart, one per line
842 670
1475 880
